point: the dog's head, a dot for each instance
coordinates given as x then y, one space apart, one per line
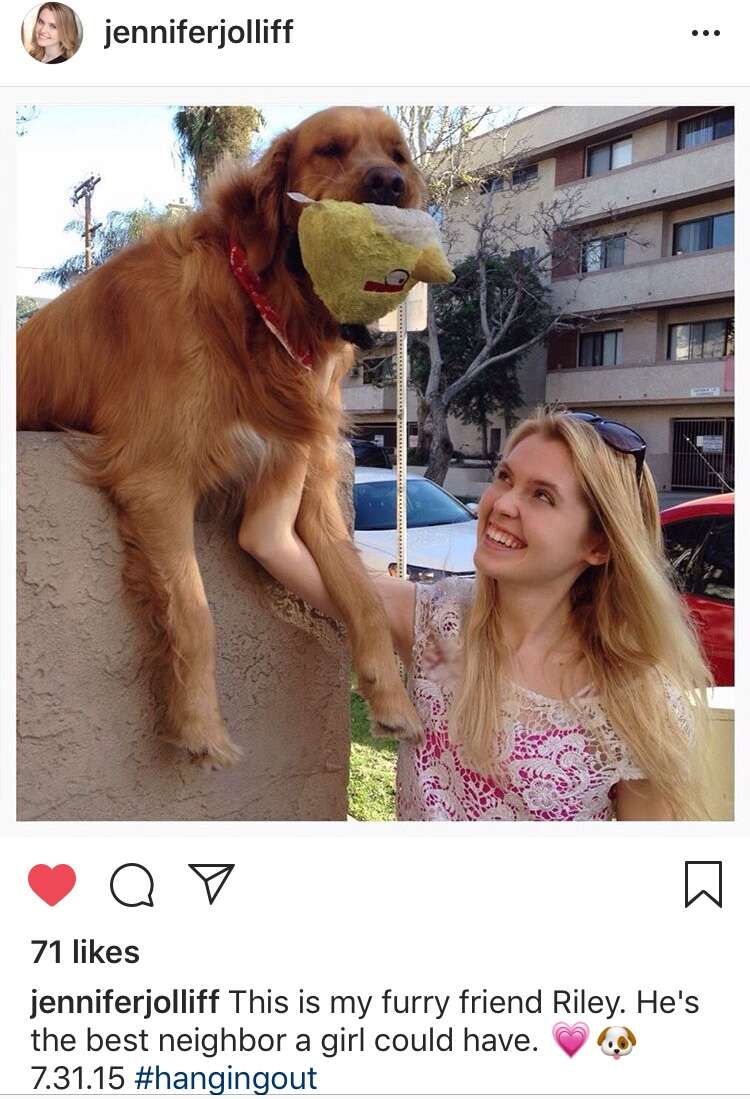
356 154
616 1041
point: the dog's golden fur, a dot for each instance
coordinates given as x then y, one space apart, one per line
160 354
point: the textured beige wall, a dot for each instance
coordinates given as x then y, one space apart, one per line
86 745
673 279
650 141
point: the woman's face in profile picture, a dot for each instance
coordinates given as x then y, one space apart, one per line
46 31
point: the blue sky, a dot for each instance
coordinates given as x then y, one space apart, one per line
132 148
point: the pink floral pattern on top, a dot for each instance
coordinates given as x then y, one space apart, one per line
562 757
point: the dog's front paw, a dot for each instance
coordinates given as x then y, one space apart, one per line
396 717
207 741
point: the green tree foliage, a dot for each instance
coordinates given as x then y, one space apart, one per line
25 306
120 228
206 134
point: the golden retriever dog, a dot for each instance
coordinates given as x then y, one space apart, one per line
163 356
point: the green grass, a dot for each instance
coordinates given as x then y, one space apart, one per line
372 770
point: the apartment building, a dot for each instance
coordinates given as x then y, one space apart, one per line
646 288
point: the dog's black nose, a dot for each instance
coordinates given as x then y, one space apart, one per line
383 186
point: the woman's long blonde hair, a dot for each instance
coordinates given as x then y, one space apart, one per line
67 26
632 626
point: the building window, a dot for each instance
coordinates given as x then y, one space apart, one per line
600 348
603 252
615 154
524 256
701 339
520 177
705 128
704 233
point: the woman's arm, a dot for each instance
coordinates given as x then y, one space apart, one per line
268 533
638 799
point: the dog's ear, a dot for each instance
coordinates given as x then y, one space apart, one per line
251 202
269 187
602 1036
630 1035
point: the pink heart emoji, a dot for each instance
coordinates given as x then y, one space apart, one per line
570 1038
52 883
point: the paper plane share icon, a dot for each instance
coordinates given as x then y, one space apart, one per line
213 875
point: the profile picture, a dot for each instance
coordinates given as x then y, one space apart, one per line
51 33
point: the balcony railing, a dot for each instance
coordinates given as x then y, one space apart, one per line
703 380
369 398
689 277
654 182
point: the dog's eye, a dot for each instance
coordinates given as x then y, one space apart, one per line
398 156
333 148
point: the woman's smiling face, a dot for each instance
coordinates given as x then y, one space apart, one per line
535 526
47 33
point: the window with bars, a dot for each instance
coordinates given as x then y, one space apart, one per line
613 154
705 128
702 234
600 348
603 252
701 339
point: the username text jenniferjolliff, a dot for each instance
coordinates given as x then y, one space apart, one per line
178 32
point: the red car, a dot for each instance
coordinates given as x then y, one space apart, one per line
699 541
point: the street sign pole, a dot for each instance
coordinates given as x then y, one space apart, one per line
402 431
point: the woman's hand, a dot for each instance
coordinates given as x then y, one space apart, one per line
268 524
268 533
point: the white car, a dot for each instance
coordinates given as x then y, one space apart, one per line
441 531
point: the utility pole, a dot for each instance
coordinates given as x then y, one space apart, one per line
84 191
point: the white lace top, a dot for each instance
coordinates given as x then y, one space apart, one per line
562 758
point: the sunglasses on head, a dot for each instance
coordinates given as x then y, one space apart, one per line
618 436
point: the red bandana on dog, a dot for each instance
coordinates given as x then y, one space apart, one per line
250 283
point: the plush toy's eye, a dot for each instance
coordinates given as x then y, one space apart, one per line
397 277
333 148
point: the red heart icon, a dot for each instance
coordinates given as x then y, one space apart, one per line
52 883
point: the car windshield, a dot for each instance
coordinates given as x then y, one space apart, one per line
427 505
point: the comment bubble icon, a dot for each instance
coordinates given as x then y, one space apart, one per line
132 885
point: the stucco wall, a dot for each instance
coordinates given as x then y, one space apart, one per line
86 745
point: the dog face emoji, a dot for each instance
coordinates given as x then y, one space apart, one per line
616 1041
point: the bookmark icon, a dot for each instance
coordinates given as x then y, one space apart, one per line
214 876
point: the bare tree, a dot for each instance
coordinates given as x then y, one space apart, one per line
476 198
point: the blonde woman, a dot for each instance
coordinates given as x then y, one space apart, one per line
55 36
564 682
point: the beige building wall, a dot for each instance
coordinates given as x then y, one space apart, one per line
554 125
660 188
646 333
512 208
650 141
654 423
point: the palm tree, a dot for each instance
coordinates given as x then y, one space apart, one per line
120 228
206 134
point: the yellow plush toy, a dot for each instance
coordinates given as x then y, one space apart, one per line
364 259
